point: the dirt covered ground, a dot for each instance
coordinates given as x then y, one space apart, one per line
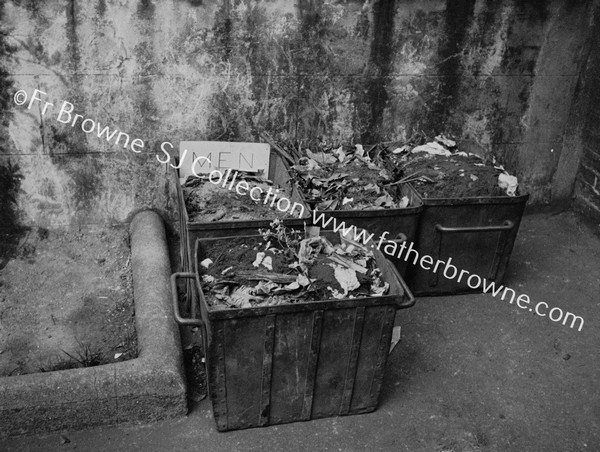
66 300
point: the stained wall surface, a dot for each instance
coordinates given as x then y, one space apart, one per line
587 115
502 76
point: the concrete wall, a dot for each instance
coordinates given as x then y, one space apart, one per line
500 75
587 115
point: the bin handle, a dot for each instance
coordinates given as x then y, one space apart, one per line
400 238
189 322
503 227
177 313
410 298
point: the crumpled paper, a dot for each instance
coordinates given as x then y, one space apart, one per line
433 148
508 183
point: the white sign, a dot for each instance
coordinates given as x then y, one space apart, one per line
206 156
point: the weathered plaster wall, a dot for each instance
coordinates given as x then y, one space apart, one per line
500 75
587 116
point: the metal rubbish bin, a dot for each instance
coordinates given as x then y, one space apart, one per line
296 362
477 233
400 224
189 231
192 230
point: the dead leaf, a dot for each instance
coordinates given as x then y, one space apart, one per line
384 200
265 287
372 186
315 182
268 263
340 154
218 215
207 279
259 258
312 231
303 280
222 293
206 263
401 149
313 246
322 158
306 165
347 263
432 148
328 205
385 174
348 239
362 262
445 141
288 288
508 183
336 293
280 278
379 290
334 177
241 297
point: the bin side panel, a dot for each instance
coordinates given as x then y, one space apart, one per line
215 366
334 354
290 358
279 175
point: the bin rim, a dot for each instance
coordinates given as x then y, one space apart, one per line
400 300
392 212
473 200
239 224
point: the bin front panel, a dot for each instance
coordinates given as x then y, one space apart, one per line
334 353
243 345
291 353
297 366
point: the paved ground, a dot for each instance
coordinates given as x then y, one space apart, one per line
471 373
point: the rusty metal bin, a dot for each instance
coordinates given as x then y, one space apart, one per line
190 231
401 224
287 363
478 235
